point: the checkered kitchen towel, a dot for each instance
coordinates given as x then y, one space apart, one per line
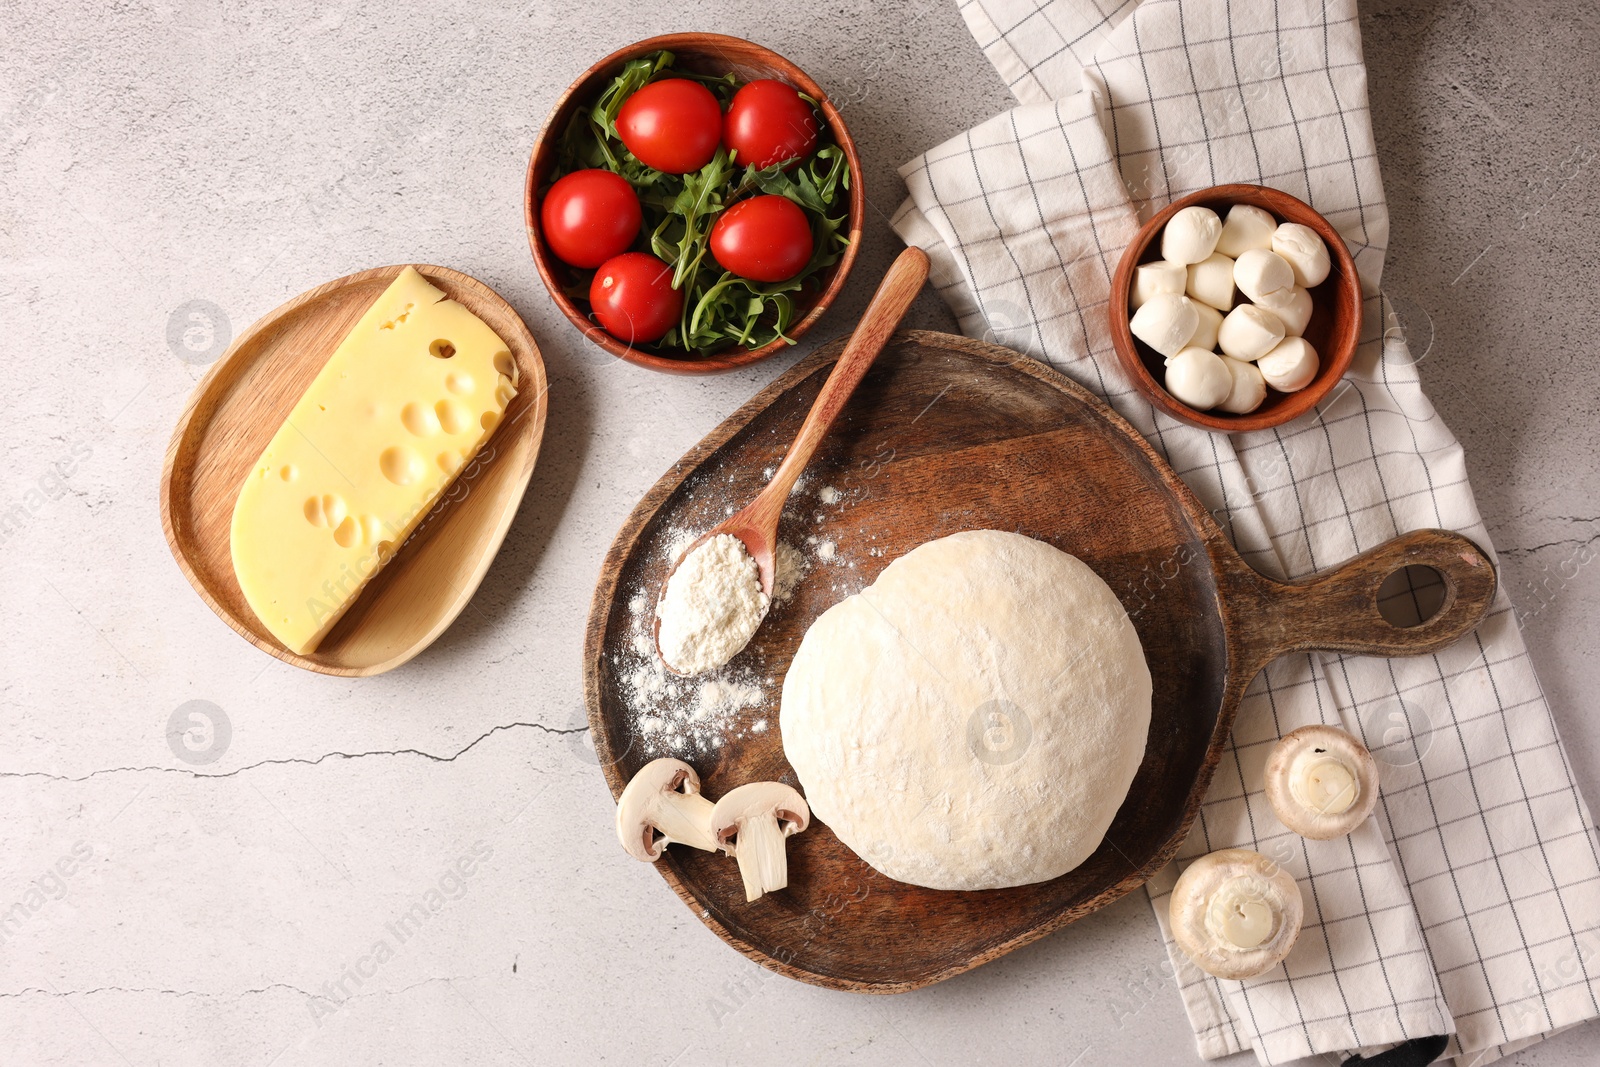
1470 904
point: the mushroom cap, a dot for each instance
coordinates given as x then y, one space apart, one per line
755 799
1235 893
636 805
1321 782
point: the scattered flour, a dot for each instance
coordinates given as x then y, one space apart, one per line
789 567
686 717
712 606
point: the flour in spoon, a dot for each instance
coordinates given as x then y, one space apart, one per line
712 606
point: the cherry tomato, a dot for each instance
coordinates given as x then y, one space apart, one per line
590 216
765 239
768 123
633 297
672 125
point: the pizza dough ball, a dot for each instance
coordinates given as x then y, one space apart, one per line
974 718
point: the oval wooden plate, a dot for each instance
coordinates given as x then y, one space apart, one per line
240 404
949 434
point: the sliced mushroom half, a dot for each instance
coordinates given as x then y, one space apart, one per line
1235 913
662 804
751 822
1321 782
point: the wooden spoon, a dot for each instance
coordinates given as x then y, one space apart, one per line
756 524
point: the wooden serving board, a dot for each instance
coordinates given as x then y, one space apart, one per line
948 434
240 404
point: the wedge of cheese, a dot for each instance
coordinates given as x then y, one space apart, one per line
403 404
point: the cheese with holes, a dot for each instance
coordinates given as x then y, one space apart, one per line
402 406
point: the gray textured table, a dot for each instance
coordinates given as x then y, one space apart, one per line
152 155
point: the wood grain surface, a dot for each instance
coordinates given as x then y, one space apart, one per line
948 434
240 404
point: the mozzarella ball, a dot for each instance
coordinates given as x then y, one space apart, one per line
1166 322
1190 235
1259 273
1211 281
1205 334
1247 227
1304 250
1198 378
1249 388
1249 332
1290 365
1293 307
1158 277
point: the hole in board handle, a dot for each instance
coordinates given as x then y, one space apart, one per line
1411 596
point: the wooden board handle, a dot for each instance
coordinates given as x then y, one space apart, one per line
1336 610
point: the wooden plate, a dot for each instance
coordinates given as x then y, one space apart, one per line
240 404
949 434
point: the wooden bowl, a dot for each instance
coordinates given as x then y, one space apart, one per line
710 53
1333 331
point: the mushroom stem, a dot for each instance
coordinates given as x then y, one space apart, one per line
763 859
662 804
685 818
1240 914
1323 784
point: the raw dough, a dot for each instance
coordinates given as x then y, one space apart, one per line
974 718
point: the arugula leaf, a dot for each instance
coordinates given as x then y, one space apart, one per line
720 309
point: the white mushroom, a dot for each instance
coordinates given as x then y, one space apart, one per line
663 799
1321 782
1235 913
750 823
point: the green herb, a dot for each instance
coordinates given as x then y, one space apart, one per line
720 309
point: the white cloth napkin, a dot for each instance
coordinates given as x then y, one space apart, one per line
1470 904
